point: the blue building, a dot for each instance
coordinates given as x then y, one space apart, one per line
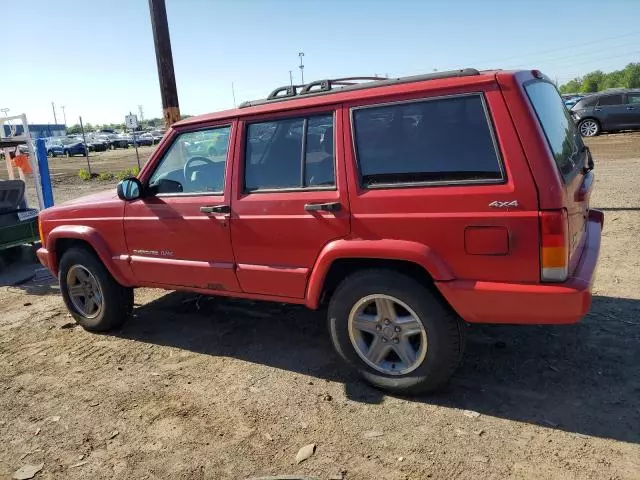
40 130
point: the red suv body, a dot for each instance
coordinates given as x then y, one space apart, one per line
456 195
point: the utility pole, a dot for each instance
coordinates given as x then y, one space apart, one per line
141 113
301 54
53 106
291 77
86 149
233 92
64 115
164 60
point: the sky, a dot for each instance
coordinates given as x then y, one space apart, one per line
97 58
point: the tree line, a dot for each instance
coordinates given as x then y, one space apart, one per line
89 127
628 77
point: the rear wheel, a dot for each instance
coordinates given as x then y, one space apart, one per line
395 332
96 301
589 127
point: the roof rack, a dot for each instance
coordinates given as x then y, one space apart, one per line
328 86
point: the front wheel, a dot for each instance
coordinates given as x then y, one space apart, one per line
589 127
96 301
395 332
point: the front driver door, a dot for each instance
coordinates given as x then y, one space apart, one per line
178 234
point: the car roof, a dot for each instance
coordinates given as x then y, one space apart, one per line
372 89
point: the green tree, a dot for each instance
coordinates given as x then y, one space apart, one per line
628 77
592 82
631 75
572 86
74 129
614 80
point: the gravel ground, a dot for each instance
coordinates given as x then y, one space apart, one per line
206 388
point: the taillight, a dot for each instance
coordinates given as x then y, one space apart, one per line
554 246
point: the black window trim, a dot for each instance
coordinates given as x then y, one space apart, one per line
166 151
305 118
431 183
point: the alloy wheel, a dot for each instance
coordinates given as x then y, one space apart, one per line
85 292
588 128
387 334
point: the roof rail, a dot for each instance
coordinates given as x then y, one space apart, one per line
328 86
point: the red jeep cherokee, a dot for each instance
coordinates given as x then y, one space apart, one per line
408 206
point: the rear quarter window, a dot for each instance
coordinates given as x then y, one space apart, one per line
559 129
440 141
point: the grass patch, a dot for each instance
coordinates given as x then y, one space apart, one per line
128 172
105 176
84 174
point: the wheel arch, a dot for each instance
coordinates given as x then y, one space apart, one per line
62 238
595 119
343 257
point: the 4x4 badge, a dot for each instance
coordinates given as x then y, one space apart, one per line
499 204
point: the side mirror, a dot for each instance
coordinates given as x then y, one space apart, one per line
129 189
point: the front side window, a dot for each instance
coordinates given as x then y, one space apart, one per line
562 135
609 100
290 153
445 140
195 163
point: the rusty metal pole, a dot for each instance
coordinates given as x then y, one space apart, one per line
164 59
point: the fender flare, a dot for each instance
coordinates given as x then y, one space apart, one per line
94 239
386 249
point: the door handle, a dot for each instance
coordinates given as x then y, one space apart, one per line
630 108
216 209
325 207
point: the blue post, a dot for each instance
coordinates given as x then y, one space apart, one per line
43 168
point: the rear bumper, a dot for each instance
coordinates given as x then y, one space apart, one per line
561 303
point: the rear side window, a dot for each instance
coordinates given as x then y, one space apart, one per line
444 140
610 100
586 103
292 153
633 98
562 135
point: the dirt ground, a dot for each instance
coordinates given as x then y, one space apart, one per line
206 388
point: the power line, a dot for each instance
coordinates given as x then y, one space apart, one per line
574 55
603 58
600 40
541 52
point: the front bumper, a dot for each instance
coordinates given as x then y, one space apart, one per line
541 303
43 256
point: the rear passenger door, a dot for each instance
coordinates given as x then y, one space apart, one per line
429 170
289 198
611 111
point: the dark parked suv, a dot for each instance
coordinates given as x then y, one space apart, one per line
608 111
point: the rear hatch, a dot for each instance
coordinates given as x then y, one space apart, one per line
575 165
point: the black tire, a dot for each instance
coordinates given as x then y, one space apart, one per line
594 130
117 300
444 329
